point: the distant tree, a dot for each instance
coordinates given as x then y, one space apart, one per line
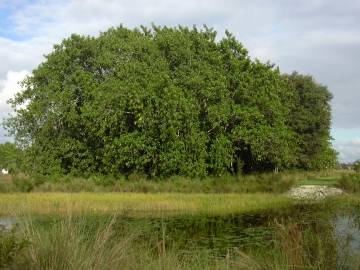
357 166
165 101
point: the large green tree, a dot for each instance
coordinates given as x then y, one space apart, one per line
160 101
310 119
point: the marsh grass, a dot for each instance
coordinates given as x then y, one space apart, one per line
139 204
269 183
294 248
350 183
72 245
12 248
113 241
68 245
139 183
72 242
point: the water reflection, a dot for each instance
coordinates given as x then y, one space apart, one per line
347 235
314 230
7 223
220 233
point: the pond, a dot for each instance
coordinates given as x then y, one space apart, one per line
312 235
315 230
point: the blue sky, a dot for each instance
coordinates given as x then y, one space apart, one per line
318 37
6 23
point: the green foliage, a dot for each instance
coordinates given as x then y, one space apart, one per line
350 183
10 157
166 101
300 237
12 248
357 166
310 119
266 183
23 184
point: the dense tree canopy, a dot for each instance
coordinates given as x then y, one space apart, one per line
10 157
167 101
310 119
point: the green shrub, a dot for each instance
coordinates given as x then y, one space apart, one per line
102 180
69 185
357 166
23 184
350 183
268 183
11 248
136 177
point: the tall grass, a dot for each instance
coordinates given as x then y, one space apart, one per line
267 182
139 204
350 183
270 183
294 248
68 245
12 248
72 243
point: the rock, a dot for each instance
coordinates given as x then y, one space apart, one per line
313 192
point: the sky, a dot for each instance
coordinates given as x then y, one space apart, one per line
317 37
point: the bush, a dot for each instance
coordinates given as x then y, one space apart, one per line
23 184
268 183
11 248
357 166
350 183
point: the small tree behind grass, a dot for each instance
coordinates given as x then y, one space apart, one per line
357 166
350 183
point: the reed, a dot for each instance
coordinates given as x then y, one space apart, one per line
138 204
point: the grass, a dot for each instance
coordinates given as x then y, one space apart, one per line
138 203
78 238
78 243
72 243
137 183
326 181
270 183
350 183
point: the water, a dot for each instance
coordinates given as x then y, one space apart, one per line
7 223
216 233
222 233
347 235
325 233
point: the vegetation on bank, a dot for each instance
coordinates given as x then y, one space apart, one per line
356 166
138 204
69 245
266 183
111 243
350 183
167 101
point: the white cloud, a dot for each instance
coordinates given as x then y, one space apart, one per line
8 88
22 55
349 151
317 37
